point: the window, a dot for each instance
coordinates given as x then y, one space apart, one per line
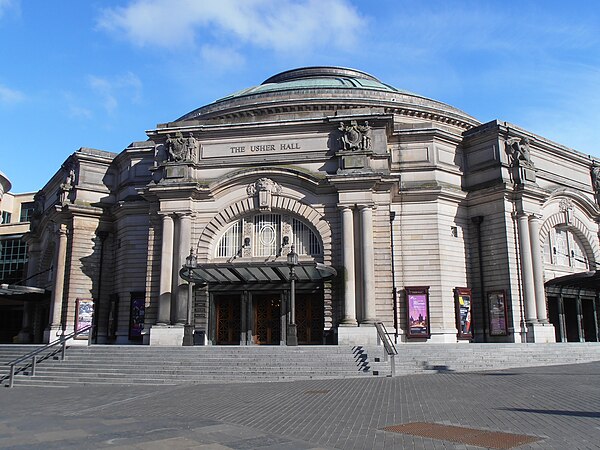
5 217
13 256
267 234
563 249
231 242
267 237
26 212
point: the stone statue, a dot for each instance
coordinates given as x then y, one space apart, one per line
191 148
595 174
518 149
354 136
176 147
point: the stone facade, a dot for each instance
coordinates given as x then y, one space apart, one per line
405 198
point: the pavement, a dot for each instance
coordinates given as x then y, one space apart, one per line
556 407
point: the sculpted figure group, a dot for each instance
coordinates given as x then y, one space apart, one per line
355 136
181 148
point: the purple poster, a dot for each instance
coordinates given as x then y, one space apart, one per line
136 323
418 312
85 314
497 312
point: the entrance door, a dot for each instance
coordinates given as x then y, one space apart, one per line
228 319
309 318
267 319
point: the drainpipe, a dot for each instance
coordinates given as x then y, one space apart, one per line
477 221
96 316
394 288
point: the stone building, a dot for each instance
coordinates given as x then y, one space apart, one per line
389 206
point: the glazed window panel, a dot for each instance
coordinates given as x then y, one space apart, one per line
13 256
267 234
305 241
578 257
231 242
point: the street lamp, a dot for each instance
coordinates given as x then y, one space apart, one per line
292 262
191 262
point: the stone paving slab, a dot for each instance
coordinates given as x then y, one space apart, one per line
558 404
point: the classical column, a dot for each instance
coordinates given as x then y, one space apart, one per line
526 268
59 278
538 269
184 239
166 271
368 264
348 262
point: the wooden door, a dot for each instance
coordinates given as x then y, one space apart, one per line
309 318
228 319
267 319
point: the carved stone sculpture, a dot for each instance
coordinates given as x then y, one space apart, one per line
355 137
265 188
518 150
595 174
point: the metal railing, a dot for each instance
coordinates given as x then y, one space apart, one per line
36 358
390 349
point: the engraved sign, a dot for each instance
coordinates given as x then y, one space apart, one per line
261 147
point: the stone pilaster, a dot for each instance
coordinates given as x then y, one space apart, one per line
166 271
368 264
184 239
538 269
527 268
59 283
348 263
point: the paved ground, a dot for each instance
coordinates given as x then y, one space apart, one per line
558 404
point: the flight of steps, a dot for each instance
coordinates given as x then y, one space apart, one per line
180 365
469 357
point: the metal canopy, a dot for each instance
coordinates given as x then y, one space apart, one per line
27 293
252 272
583 280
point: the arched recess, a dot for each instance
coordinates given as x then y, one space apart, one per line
208 237
578 228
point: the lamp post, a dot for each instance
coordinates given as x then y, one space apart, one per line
191 263
292 262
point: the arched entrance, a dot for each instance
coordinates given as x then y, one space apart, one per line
574 306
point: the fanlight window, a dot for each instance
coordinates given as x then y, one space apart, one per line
265 235
562 248
231 242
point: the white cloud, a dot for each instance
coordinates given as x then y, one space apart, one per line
280 25
110 90
8 95
221 57
8 6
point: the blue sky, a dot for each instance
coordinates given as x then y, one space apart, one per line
99 73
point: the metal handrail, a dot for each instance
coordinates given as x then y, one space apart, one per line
62 341
388 345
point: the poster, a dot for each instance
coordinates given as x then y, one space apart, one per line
418 311
497 313
463 313
136 317
84 316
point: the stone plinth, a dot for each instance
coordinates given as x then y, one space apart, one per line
541 333
363 335
166 335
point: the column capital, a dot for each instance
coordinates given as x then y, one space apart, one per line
184 214
535 216
362 206
345 206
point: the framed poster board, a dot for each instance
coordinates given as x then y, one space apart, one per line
84 315
137 312
497 309
417 307
463 302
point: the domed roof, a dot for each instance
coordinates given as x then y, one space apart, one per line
308 87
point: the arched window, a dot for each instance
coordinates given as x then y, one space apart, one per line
563 249
266 235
